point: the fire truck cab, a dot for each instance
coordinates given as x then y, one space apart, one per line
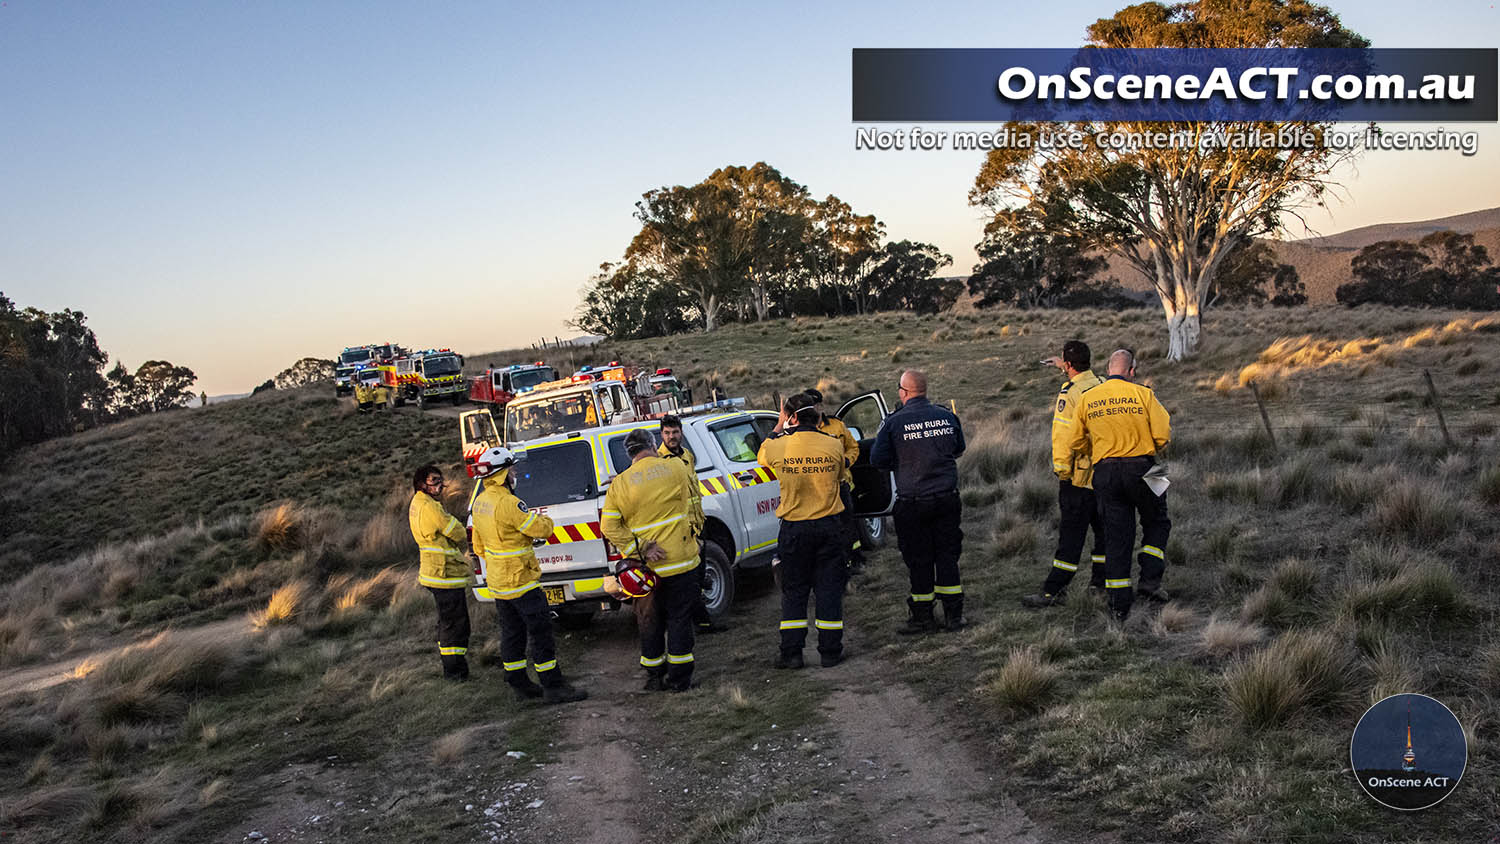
424 376
498 385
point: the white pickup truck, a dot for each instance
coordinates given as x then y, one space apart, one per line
566 475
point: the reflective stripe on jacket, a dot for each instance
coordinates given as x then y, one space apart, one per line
503 529
656 500
440 540
835 427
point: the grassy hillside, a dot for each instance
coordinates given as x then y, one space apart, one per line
1352 559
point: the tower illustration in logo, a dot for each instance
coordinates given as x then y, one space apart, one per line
1409 760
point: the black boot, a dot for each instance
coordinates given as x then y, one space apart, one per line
919 618
557 690
455 668
523 687
953 613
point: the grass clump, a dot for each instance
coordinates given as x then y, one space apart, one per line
1223 637
1300 670
283 528
1489 486
288 605
1417 592
1415 510
1025 681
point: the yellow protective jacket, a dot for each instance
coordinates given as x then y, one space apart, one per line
835 427
686 456
441 539
361 393
503 529
1119 418
689 461
655 500
1073 466
809 464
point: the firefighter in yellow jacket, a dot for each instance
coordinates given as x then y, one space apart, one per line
1075 488
672 445
653 512
1123 426
835 427
812 542
444 567
504 528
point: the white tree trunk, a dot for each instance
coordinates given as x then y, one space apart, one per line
1183 330
710 306
758 298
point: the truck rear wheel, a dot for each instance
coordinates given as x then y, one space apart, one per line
718 580
873 533
421 400
458 399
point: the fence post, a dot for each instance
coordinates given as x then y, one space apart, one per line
1442 423
1265 418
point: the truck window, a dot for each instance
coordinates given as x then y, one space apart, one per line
739 440
528 378
555 474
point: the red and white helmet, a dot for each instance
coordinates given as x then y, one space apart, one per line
494 462
636 579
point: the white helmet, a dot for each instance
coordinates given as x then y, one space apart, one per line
494 461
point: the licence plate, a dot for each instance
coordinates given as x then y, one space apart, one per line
554 594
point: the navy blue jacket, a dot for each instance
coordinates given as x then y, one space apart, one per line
921 443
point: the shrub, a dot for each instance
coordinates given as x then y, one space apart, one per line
1025 680
371 593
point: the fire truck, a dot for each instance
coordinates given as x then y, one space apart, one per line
349 361
425 376
498 385
591 397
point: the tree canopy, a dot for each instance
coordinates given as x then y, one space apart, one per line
1444 269
1175 213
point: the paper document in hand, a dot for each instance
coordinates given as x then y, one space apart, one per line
1156 479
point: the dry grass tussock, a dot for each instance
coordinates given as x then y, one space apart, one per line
1416 592
454 746
371 593
1417 510
282 528
1173 618
1222 637
1025 681
994 453
1300 670
289 604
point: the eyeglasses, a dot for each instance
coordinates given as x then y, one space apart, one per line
902 388
435 482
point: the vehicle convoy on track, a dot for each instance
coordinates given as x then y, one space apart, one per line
565 471
498 385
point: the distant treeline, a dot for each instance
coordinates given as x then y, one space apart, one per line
1445 269
748 243
53 382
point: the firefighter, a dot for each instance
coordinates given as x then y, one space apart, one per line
812 541
653 512
444 568
921 443
835 427
1075 490
363 396
504 528
672 446
1123 426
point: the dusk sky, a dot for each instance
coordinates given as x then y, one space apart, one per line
233 186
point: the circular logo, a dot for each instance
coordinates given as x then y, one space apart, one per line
1408 752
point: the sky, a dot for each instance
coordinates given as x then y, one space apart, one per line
234 186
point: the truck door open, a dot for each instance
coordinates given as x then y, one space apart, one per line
874 489
476 428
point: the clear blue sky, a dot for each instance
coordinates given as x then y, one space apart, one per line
232 186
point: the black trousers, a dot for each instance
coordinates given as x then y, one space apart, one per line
1123 495
930 539
522 619
813 557
1080 511
665 620
856 554
452 630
